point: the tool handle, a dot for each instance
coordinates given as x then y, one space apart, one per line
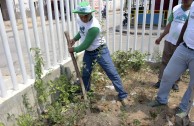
76 66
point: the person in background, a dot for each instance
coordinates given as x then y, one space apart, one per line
176 21
182 59
95 49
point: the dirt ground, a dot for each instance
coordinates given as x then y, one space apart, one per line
108 111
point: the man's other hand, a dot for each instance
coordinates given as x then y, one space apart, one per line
72 42
158 41
71 50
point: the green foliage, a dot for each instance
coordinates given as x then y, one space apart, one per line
65 101
39 83
153 114
136 122
1 124
62 90
128 60
74 113
25 120
38 62
97 74
10 117
123 118
54 114
68 115
27 104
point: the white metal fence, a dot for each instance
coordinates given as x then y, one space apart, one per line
16 64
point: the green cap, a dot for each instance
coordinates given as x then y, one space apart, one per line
83 8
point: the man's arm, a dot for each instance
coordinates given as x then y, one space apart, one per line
76 38
166 30
180 40
91 35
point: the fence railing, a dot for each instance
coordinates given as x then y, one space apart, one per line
47 33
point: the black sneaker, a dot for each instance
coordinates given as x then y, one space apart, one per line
175 87
157 85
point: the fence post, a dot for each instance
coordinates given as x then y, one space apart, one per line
17 41
27 37
45 39
128 24
8 53
50 17
2 86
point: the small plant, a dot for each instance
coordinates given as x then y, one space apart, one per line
54 114
10 117
25 120
136 122
128 60
123 117
137 60
27 104
153 114
39 83
62 90
74 113
98 78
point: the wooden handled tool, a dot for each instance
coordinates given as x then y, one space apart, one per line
76 66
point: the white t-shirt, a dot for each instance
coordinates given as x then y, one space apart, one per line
189 32
84 27
179 18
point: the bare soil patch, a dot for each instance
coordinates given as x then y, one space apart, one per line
106 110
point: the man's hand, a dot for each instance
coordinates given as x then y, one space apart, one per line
71 50
158 41
72 42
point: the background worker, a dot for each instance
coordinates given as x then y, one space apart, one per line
182 59
176 21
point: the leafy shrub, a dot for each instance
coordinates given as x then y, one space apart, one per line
54 114
136 122
128 60
25 120
39 83
62 90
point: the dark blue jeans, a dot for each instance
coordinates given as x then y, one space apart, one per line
102 57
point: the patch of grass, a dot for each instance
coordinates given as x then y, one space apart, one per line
153 114
136 122
123 118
